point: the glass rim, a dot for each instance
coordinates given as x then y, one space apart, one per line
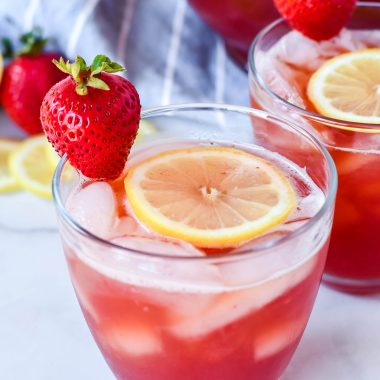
247 253
331 122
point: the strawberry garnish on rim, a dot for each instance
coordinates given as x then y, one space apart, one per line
93 116
317 19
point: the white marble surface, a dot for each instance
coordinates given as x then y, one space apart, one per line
43 335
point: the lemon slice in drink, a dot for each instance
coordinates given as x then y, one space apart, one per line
209 196
347 87
7 181
29 165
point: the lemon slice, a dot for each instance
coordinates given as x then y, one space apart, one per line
209 196
30 167
146 129
7 181
53 159
51 155
347 87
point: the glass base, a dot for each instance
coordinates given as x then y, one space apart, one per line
352 285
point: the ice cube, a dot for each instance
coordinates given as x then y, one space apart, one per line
128 226
261 266
94 207
233 305
155 244
307 207
269 342
346 40
133 339
180 286
169 273
350 162
305 55
286 70
279 77
264 240
310 54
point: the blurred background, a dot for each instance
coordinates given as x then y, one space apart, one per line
170 54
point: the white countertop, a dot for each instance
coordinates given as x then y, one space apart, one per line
43 335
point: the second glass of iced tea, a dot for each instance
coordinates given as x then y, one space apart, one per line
281 64
160 308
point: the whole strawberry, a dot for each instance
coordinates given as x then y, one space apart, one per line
93 116
317 19
26 80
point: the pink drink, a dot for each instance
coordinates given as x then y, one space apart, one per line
237 21
278 82
150 327
148 332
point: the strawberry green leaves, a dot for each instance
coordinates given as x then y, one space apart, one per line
32 42
87 76
103 63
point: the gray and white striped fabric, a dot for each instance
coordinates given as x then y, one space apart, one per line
170 54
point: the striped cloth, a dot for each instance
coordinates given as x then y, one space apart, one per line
170 54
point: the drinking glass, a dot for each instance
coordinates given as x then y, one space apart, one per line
353 262
225 316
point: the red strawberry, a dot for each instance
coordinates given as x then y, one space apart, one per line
317 19
93 116
25 82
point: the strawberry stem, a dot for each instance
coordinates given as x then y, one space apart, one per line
8 51
88 76
32 42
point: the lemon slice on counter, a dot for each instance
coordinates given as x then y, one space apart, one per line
347 87
51 155
146 129
209 196
29 165
7 181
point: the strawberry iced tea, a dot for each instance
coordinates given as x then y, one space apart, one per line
161 308
279 75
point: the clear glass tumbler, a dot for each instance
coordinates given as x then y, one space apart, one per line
353 262
225 316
